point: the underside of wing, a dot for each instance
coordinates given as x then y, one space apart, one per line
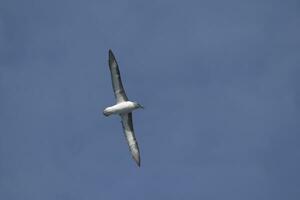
116 78
130 137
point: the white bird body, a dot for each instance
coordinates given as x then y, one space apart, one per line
120 108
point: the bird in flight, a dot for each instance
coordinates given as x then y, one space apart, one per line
123 107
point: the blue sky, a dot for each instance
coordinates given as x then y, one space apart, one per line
219 80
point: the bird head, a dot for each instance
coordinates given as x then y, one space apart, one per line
137 105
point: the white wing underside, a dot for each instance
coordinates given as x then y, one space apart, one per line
116 79
130 137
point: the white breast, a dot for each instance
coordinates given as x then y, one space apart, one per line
121 108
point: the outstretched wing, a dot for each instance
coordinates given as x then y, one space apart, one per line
130 137
116 78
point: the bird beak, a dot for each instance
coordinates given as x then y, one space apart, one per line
141 106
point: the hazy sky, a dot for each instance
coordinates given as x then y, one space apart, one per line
219 81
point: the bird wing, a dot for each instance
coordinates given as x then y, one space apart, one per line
116 78
130 137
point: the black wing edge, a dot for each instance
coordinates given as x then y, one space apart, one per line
119 94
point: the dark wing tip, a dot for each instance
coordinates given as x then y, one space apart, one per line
110 54
111 57
136 157
138 162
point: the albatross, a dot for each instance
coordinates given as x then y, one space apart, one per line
123 107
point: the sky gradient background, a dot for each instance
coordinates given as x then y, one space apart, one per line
219 81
